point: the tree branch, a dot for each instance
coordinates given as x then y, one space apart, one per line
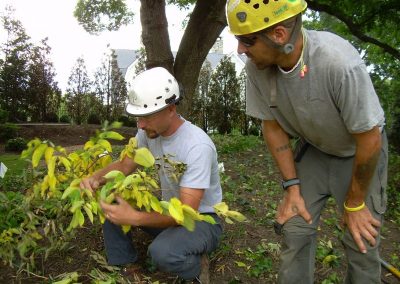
354 28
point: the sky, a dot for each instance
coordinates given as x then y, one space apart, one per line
68 40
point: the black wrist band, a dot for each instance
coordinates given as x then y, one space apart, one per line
290 182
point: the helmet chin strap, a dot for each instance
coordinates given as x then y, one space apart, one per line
289 46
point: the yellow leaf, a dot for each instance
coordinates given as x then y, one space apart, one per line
36 235
105 160
236 216
37 154
51 165
66 163
52 182
106 145
81 218
133 142
175 210
76 205
191 212
88 211
229 221
113 174
155 204
88 144
221 207
143 157
48 154
126 228
188 222
113 135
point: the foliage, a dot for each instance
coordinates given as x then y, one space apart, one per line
55 204
65 118
44 94
13 69
3 116
78 93
93 118
100 15
200 110
224 97
15 144
8 131
127 121
235 142
393 188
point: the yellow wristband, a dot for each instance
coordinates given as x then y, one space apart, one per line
354 209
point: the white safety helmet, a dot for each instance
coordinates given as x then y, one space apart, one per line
151 91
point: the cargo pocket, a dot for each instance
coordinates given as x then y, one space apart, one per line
379 196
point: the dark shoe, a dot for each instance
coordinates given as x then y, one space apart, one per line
133 272
204 276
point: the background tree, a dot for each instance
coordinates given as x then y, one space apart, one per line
44 96
200 109
14 68
224 97
78 93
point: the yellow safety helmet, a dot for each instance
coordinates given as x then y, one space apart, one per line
250 16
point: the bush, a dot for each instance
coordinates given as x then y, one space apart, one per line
51 117
127 121
8 131
3 116
94 119
16 144
65 119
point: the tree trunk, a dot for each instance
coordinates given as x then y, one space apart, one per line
205 25
155 34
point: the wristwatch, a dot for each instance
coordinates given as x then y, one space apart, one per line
288 183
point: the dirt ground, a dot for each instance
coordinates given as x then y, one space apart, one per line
242 245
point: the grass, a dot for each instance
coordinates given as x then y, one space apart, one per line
14 164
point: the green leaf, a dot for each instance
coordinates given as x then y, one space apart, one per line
89 212
144 157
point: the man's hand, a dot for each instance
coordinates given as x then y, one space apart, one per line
361 224
121 213
292 205
91 183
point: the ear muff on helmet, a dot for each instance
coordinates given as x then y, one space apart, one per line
151 91
251 16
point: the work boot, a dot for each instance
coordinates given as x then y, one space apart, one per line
204 276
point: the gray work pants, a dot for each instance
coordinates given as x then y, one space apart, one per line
175 249
322 176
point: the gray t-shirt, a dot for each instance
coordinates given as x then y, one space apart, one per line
189 145
334 99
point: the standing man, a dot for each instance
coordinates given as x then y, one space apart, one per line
313 86
153 96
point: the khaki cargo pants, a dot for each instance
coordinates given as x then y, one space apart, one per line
323 176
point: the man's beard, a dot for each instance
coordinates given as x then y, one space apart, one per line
151 134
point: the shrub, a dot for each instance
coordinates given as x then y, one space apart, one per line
16 144
3 116
94 119
127 121
65 119
51 117
8 131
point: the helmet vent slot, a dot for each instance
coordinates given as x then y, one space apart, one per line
159 97
145 106
247 1
256 6
265 2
